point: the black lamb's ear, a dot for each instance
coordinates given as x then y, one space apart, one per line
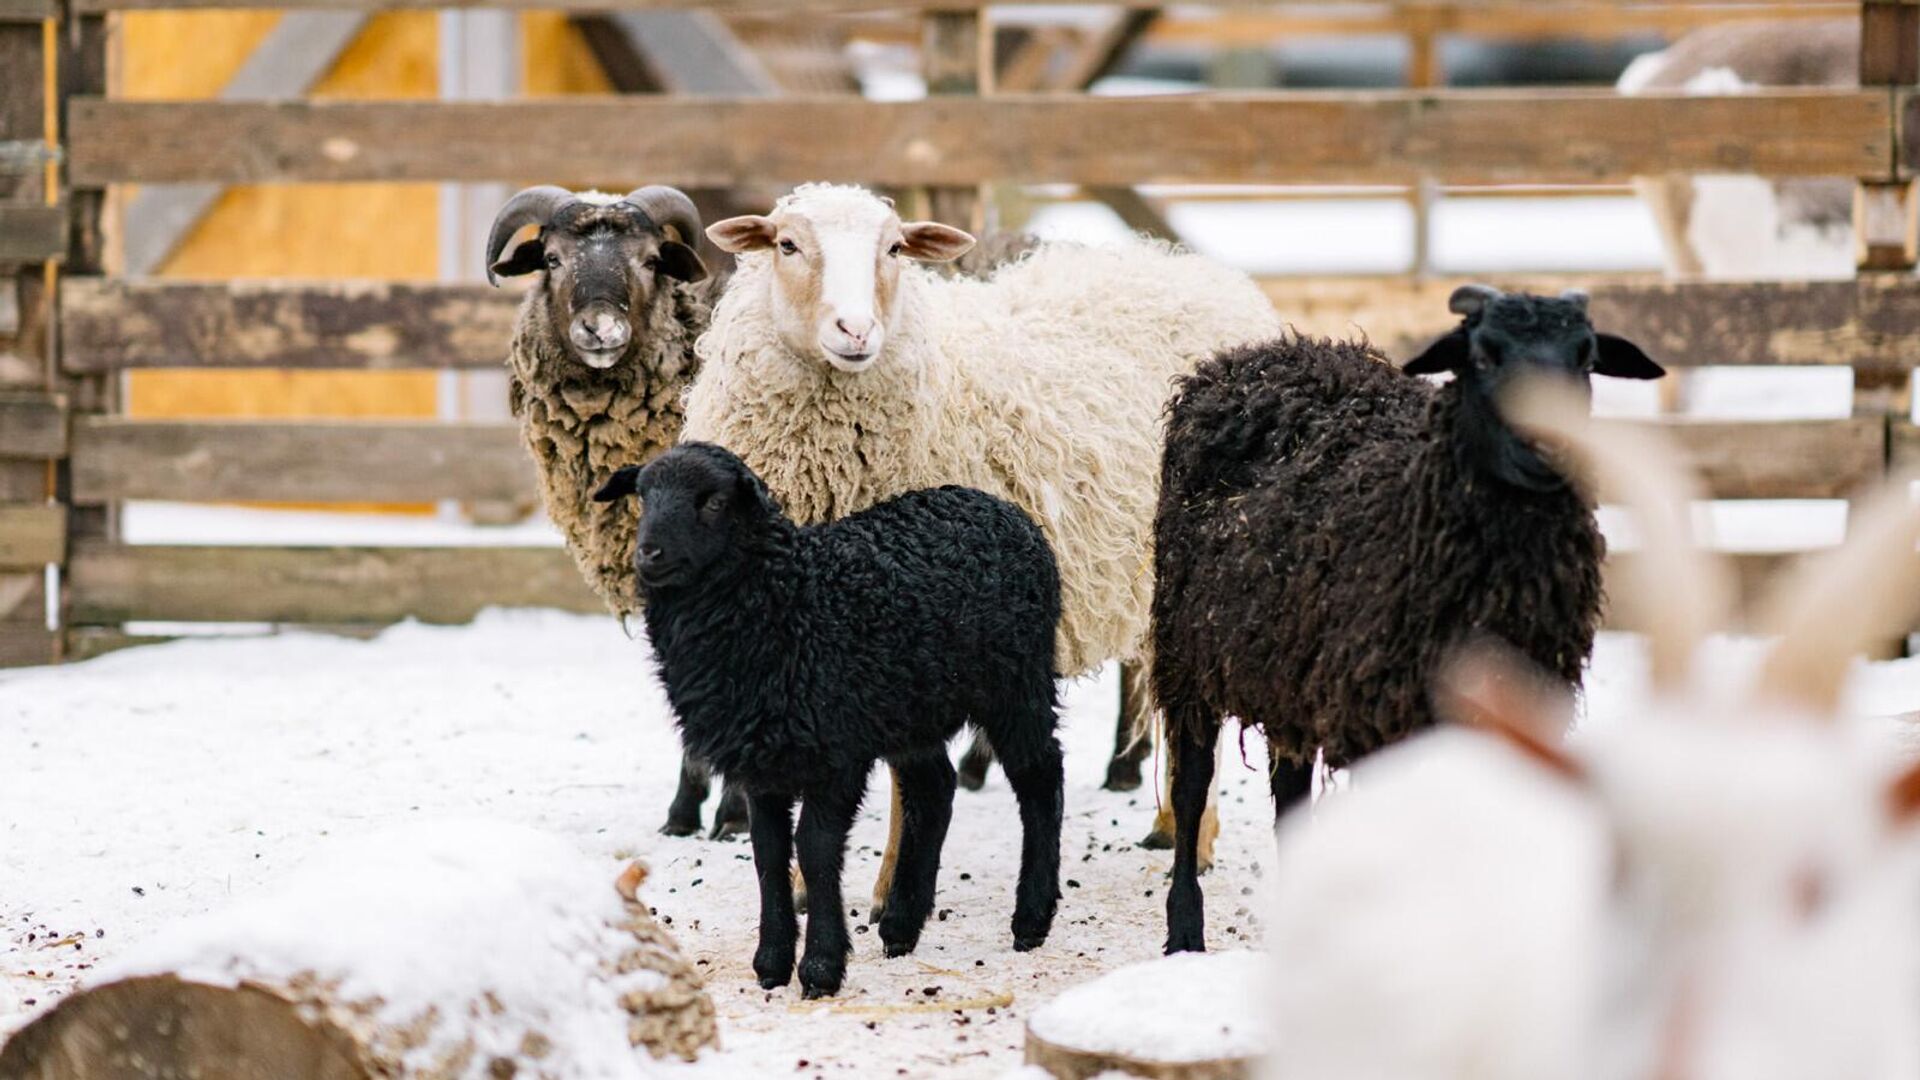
622 484
531 255
677 260
1448 354
1622 359
754 493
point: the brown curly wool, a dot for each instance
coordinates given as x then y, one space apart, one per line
581 424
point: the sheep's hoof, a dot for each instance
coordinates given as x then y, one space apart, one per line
973 772
897 949
899 938
1029 942
774 966
1180 941
1158 840
820 977
1122 775
679 827
728 828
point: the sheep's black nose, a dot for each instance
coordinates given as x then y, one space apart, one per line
648 554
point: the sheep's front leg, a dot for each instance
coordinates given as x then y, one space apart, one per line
683 815
771 820
826 816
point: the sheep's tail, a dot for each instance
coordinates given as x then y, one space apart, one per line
1678 592
1834 605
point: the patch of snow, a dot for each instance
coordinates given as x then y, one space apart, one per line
207 523
427 916
1181 1008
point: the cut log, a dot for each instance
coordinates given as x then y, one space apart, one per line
1194 1016
432 952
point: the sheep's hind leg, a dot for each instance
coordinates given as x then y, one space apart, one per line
1038 778
926 798
883 881
772 827
1191 743
975 762
730 817
1291 784
683 815
1161 837
826 816
1132 736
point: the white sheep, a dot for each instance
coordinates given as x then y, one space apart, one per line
1721 887
843 375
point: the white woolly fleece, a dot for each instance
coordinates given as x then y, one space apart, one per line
1043 384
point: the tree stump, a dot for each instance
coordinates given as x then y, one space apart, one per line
430 953
1195 1016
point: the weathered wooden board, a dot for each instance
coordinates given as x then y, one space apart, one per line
28 646
108 323
32 234
1570 136
306 461
113 583
1867 323
32 536
1753 573
1572 7
23 598
32 426
13 11
1784 459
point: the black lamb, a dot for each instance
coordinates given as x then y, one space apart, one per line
795 658
1330 529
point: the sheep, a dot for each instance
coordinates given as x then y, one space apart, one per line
1714 886
842 375
1748 226
1330 528
795 657
601 357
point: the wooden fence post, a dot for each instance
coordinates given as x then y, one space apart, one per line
957 59
32 422
81 64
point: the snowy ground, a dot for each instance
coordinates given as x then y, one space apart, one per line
166 781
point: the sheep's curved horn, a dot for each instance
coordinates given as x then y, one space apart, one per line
670 209
1676 591
1579 297
1468 300
1833 606
533 206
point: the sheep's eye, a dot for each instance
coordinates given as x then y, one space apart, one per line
714 503
896 249
553 261
652 262
788 247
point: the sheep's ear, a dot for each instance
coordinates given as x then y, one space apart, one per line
930 241
1622 359
622 484
738 235
528 257
677 260
1448 354
1492 689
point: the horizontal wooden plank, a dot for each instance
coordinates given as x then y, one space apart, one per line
17 11
32 426
1463 136
307 461
1867 323
1753 572
1572 7
108 324
31 234
32 536
112 583
28 646
349 461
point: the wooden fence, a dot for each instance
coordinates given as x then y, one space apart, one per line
68 330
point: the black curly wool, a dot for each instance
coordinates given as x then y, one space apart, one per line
795 658
1331 530
1322 546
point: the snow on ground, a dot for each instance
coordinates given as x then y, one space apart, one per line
160 783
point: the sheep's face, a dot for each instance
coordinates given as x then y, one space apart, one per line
837 255
701 508
1508 338
602 265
